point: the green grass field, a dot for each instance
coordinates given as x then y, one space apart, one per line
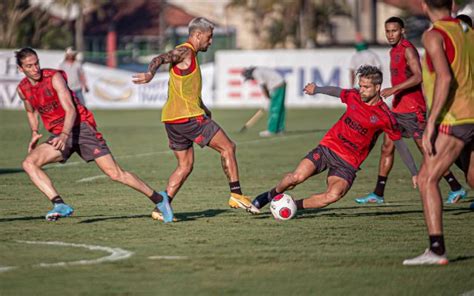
345 249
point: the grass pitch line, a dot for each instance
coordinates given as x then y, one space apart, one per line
168 257
7 268
116 254
88 179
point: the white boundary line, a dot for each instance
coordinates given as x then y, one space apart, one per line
115 253
168 257
88 179
7 268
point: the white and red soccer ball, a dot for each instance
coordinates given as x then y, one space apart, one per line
283 207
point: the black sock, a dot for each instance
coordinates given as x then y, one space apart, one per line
437 244
380 186
57 200
235 187
156 197
453 183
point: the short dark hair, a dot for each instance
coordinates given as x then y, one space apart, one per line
465 18
395 19
440 4
23 53
371 72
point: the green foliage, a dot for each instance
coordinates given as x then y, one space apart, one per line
345 249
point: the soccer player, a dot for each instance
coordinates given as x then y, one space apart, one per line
448 71
409 108
73 128
187 120
347 144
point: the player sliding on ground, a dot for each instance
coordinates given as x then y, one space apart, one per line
408 107
187 120
347 144
73 128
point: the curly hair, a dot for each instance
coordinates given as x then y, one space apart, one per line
23 53
371 72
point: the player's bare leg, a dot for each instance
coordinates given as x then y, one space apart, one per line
224 145
303 171
183 170
387 155
433 167
112 169
337 188
36 159
457 192
32 165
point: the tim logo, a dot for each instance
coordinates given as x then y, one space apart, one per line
374 119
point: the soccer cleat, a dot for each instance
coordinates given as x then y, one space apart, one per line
427 258
243 202
165 208
262 200
157 215
455 196
371 198
60 210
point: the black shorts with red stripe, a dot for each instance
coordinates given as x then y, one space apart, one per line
199 130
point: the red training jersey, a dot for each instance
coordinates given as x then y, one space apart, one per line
43 97
356 132
408 100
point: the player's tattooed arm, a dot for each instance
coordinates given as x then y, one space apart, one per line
174 56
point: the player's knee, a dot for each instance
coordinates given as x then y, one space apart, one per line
332 197
229 149
28 164
296 178
186 168
116 175
387 149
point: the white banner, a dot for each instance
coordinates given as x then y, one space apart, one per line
109 88
299 67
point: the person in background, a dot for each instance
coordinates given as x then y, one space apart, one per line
75 74
363 56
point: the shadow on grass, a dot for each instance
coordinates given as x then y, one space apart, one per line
182 217
190 216
461 258
13 219
6 171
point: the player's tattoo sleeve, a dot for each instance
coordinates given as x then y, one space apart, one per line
333 91
172 57
406 156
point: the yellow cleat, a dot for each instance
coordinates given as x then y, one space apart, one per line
241 201
157 215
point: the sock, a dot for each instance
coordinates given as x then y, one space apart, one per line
437 244
380 186
57 200
156 197
235 187
453 183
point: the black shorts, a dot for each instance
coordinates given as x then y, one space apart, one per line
199 130
412 125
85 141
324 158
465 133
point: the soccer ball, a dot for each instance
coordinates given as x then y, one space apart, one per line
283 207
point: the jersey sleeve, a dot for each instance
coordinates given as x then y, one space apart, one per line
392 129
348 94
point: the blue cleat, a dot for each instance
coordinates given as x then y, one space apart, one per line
371 198
59 211
455 196
165 208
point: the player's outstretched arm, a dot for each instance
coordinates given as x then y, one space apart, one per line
174 56
407 158
312 88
